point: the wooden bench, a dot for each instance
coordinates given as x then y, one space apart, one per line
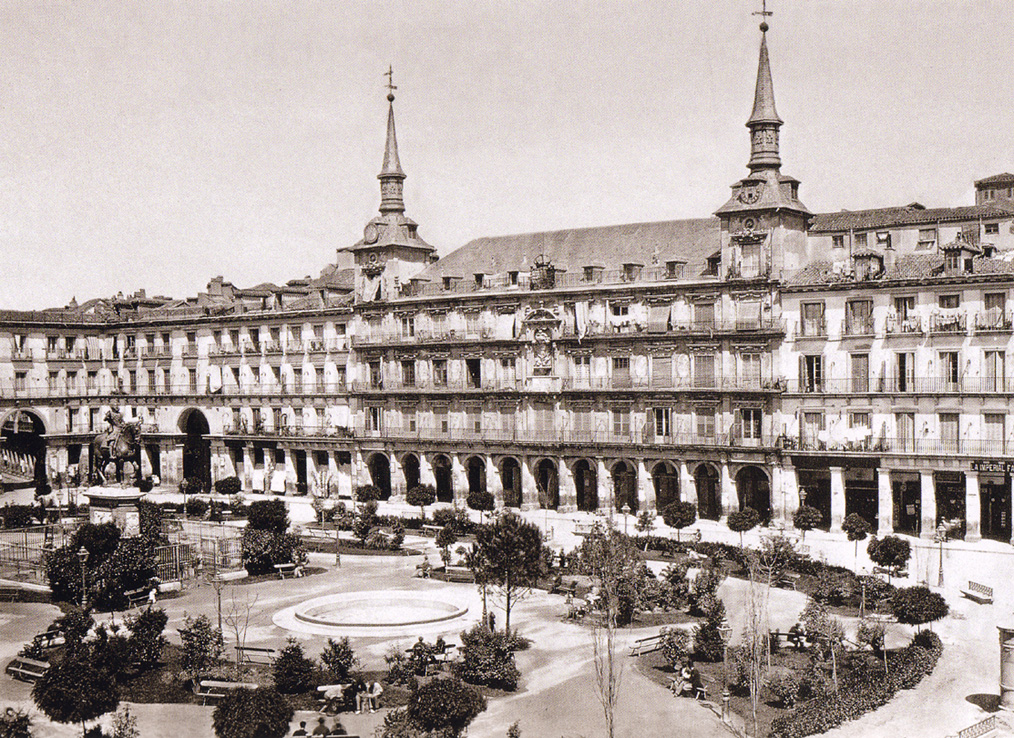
10 594
431 530
255 655
294 570
323 699
649 644
26 669
569 588
978 592
788 580
137 597
49 636
797 640
886 571
211 689
459 574
583 529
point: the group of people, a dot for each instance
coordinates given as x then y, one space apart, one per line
367 697
688 682
321 728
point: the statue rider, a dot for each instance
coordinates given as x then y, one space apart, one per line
115 419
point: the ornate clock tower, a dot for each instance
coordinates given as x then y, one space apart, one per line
764 222
391 251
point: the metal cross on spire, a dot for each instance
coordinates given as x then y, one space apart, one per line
763 12
391 87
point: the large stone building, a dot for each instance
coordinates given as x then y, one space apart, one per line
760 357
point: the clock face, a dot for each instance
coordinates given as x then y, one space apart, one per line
749 224
749 195
370 233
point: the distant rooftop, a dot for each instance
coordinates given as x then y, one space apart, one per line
913 214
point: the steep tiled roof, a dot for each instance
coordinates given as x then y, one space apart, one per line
996 179
900 216
692 241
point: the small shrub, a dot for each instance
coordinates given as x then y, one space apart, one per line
806 518
397 535
704 586
202 645
918 606
339 659
228 486
674 643
146 641
447 705
679 515
196 507
293 672
890 552
784 688
145 485
269 515
257 713
15 723
487 658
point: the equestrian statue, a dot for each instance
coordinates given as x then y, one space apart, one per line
119 445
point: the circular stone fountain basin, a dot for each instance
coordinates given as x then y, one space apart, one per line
383 609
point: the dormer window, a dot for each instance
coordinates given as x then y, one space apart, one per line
480 278
714 264
512 279
631 272
593 273
868 266
674 269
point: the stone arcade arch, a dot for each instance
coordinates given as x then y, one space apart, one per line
380 473
22 437
510 475
410 467
625 485
754 490
586 485
547 481
196 447
442 474
709 503
666 479
475 469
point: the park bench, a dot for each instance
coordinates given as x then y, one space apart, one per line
212 689
10 594
978 592
798 640
459 574
255 655
431 530
788 580
136 597
49 636
649 644
294 570
583 529
322 698
888 572
564 588
26 669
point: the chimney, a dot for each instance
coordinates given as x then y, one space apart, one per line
889 256
215 286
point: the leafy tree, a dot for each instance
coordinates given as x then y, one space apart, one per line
777 555
228 486
15 723
202 645
487 658
447 705
512 551
252 713
828 632
125 724
856 527
130 567
75 690
708 643
269 515
150 516
196 507
806 518
293 672
365 521
918 606
63 571
420 496
366 493
481 500
890 552
339 659
146 641
445 539
740 521
99 540
679 515
645 524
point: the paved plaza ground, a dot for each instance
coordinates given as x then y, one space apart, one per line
558 696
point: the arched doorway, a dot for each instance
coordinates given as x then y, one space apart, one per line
667 485
709 506
196 448
510 475
442 473
410 468
380 474
23 445
475 468
547 481
625 485
754 491
587 486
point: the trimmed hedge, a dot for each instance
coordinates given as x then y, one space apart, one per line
862 690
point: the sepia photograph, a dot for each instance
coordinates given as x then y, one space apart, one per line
506 369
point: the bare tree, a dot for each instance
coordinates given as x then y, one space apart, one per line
237 619
755 639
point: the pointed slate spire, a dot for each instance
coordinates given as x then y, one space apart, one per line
764 121
391 176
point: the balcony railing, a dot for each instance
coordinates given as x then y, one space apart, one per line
948 323
859 326
908 324
903 445
175 390
812 328
904 385
994 320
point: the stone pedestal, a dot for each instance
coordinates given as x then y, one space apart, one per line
117 505
1006 666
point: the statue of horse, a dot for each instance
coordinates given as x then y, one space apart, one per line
120 444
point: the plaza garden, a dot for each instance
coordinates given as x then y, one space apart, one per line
817 645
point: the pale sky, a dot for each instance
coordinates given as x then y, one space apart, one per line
157 144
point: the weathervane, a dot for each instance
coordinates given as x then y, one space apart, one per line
390 80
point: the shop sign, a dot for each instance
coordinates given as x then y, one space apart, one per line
993 466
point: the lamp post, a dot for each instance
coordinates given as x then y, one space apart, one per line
939 537
626 511
725 631
82 556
